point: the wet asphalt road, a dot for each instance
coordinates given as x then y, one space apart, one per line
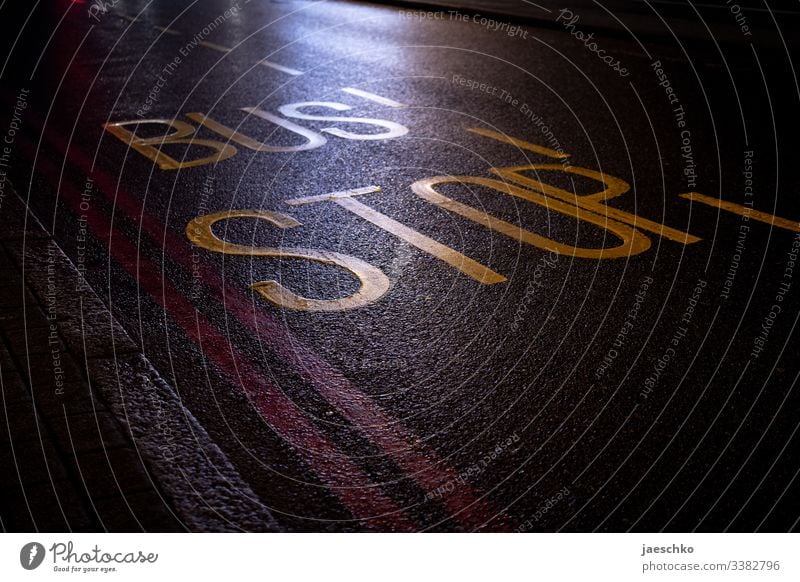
649 386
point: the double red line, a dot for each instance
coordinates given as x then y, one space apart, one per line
349 482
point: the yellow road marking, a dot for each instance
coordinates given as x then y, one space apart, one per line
594 202
374 284
313 139
461 262
520 143
758 215
633 242
182 134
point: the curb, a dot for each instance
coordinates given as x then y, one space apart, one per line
101 404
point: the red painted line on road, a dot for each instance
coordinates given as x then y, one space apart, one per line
419 461
349 483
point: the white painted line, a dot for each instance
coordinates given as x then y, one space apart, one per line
216 47
265 62
281 68
372 97
167 30
333 195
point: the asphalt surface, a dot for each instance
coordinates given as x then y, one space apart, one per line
647 386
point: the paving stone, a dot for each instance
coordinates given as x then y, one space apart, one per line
44 507
96 334
10 280
51 371
74 461
7 363
17 319
87 432
34 338
111 472
143 511
74 398
178 452
18 423
13 389
54 278
17 297
31 463
10 318
18 221
6 263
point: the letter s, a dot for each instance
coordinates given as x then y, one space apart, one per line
374 284
293 110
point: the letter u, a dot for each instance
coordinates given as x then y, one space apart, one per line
313 140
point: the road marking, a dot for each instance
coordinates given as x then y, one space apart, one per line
281 68
312 139
372 97
331 464
592 202
293 110
419 462
224 49
633 242
215 46
346 200
520 143
334 195
373 284
745 211
183 133
167 30
151 147
180 454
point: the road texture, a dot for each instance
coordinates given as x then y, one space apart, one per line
417 267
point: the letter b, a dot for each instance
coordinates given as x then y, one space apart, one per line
150 147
